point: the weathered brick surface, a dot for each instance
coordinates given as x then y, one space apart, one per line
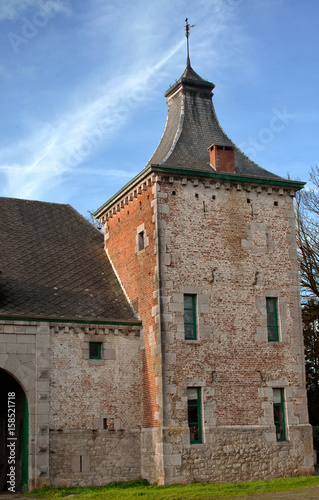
136 270
232 245
83 391
71 398
138 273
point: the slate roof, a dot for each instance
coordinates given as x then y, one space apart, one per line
54 265
192 126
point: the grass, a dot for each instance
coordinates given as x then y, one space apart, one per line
142 490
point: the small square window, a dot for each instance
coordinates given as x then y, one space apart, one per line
194 414
190 323
279 414
95 350
141 241
272 319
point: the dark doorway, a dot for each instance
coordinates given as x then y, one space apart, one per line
14 435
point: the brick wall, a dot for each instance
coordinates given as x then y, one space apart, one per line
71 399
136 270
232 245
85 391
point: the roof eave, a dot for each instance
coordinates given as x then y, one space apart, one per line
156 168
235 177
85 321
146 171
188 82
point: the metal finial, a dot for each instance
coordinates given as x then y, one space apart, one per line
187 28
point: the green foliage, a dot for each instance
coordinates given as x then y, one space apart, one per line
142 489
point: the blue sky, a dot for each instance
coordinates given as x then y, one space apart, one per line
82 84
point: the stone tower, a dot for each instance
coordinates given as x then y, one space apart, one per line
203 243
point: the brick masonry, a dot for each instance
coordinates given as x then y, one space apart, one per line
138 271
124 416
84 414
232 244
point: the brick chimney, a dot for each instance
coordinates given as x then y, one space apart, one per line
222 158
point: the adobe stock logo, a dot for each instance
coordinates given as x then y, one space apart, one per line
278 122
30 27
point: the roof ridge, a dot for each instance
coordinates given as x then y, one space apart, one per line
24 200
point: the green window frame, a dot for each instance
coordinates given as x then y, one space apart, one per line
190 320
279 414
95 350
194 416
272 319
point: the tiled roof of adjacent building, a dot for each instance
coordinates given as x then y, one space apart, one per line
192 127
53 265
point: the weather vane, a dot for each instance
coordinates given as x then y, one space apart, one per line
187 28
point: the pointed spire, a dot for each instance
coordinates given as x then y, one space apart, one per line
193 138
187 28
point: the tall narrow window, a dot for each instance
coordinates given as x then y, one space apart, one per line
279 414
272 319
190 317
194 414
141 243
95 350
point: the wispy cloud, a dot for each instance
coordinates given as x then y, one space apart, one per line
40 161
59 148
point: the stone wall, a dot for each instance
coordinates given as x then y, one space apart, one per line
232 245
90 410
25 354
95 405
235 453
94 457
